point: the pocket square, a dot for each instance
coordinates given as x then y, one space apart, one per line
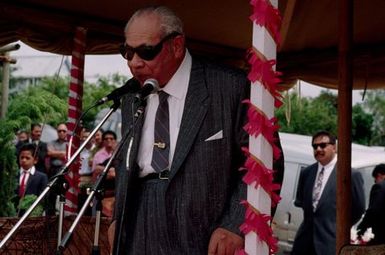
217 136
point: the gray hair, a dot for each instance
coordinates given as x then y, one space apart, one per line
169 21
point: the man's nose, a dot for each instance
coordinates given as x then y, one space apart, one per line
136 61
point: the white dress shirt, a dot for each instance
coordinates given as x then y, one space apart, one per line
327 171
28 172
177 90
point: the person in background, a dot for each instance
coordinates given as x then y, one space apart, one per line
97 144
85 171
57 150
98 164
375 214
42 149
179 192
22 138
316 195
31 182
85 163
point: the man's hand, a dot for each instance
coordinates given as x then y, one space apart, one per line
224 242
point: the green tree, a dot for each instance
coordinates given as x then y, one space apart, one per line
307 116
375 105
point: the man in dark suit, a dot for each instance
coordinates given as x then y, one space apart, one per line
42 148
191 205
374 216
316 195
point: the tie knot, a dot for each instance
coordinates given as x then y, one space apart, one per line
162 96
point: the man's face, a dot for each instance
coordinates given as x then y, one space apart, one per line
145 31
109 142
62 132
379 178
36 133
324 151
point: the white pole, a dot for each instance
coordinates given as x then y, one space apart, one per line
259 146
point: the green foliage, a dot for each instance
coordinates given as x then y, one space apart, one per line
26 203
375 104
8 168
37 105
94 92
307 116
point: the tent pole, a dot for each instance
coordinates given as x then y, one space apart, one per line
345 85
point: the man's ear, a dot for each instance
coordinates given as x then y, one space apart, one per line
179 45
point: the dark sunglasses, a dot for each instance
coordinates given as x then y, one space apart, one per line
321 145
61 131
145 52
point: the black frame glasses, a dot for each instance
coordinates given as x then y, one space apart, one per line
145 52
321 145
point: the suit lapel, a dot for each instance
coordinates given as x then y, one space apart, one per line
329 187
310 186
195 109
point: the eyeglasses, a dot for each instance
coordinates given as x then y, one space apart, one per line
60 131
145 52
321 145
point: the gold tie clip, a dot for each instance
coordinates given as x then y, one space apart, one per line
160 145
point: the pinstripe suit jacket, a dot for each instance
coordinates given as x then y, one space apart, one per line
318 228
206 169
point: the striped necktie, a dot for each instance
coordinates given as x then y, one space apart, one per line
317 188
161 150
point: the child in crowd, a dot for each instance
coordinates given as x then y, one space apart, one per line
31 181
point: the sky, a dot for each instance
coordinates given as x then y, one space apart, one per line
34 62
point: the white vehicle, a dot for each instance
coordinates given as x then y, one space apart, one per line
298 154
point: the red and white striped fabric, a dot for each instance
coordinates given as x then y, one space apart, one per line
74 112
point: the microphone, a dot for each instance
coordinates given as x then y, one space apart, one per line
149 86
131 86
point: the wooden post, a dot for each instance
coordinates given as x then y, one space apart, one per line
5 87
345 86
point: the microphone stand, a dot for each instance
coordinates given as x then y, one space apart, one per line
96 189
59 177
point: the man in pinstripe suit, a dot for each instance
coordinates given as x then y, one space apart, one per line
193 205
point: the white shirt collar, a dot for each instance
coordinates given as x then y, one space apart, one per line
330 165
178 84
31 170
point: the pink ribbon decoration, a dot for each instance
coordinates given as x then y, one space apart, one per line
259 223
271 18
259 124
261 175
263 72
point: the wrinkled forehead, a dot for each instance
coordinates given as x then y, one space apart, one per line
142 30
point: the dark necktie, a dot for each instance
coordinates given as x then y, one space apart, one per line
317 188
161 148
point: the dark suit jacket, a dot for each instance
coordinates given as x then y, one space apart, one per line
318 229
36 184
375 214
42 150
207 169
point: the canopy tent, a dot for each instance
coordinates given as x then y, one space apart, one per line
220 29
309 49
